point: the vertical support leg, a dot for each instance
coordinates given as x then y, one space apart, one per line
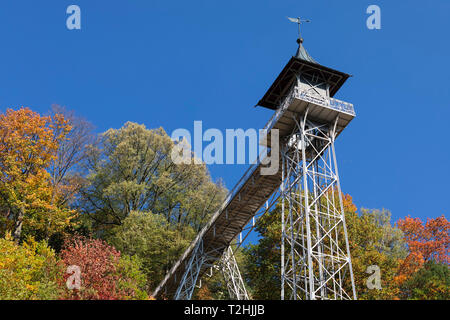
307 210
232 276
283 225
344 225
190 276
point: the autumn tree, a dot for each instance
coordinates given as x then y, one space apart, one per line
30 271
28 145
106 274
429 242
374 241
132 170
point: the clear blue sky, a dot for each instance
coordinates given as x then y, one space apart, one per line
168 63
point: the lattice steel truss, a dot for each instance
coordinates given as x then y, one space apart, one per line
316 261
190 276
232 276
227 265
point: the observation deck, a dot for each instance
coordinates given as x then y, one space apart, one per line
325 110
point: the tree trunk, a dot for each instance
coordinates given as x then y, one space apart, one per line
18 225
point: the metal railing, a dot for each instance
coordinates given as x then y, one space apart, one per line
327 102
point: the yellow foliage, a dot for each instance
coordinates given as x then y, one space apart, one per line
28 144
29 271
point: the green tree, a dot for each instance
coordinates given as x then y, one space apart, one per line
262 261
156 242
431 282
132 280
131 170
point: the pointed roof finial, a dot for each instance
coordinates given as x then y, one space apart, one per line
301 52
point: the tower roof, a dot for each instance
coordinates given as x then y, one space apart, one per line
301 62
302 54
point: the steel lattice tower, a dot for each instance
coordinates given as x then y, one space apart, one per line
315 255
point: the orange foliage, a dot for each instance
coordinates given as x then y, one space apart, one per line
347 201
426 242
204 293
28 144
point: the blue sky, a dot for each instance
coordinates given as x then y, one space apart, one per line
168 63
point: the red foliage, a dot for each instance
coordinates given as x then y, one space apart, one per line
97 261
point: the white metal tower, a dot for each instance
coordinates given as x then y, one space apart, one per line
315 255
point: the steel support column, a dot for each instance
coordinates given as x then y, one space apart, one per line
232 276
187 283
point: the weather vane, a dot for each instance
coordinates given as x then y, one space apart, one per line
299 22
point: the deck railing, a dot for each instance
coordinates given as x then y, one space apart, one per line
295 93
327 102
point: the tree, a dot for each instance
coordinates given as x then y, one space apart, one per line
29 271
262 261
155 241
66 169
28 144
131 170
105 273
375 242
426 242
431 282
